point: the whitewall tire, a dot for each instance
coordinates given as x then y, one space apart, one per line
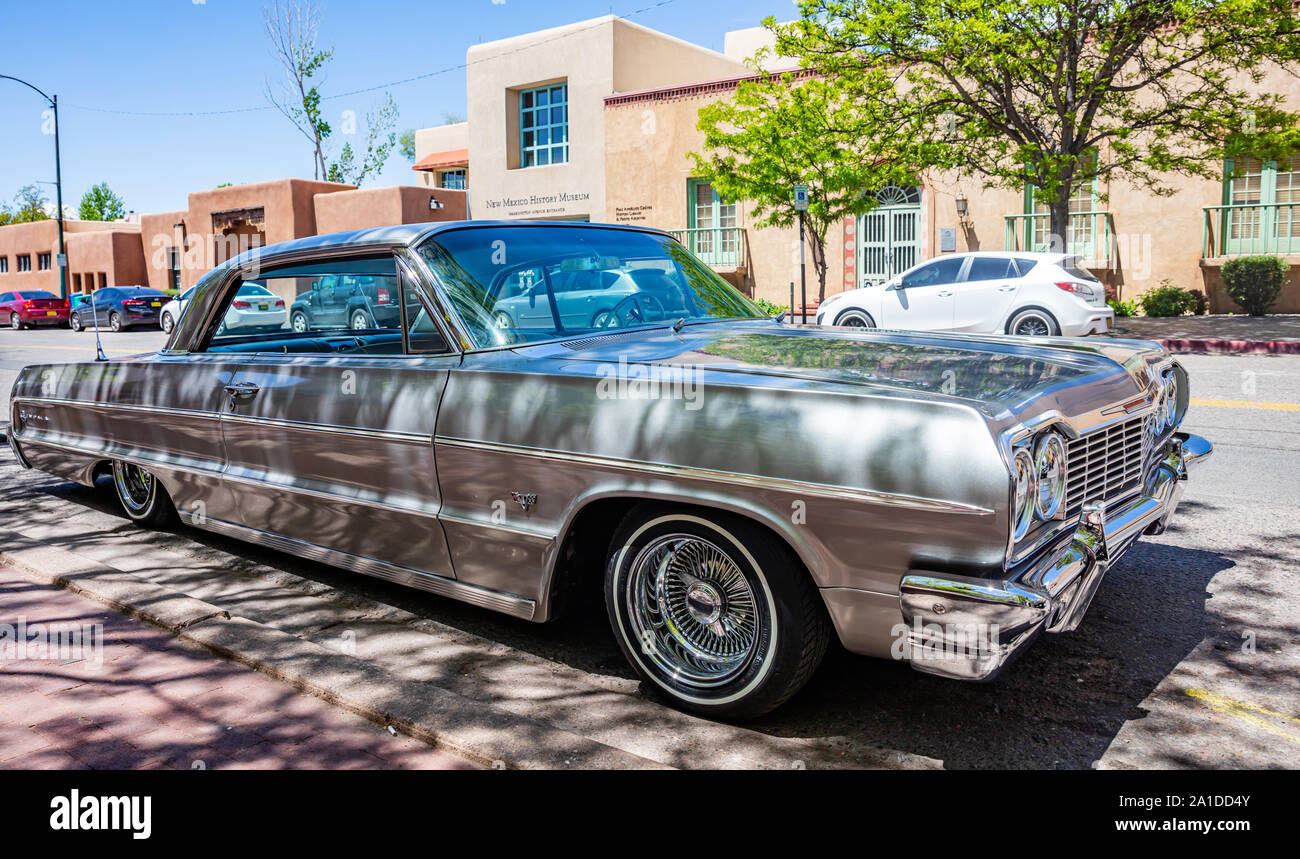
714 613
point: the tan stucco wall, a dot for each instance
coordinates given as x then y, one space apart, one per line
382 207
596 58
440 138
646 176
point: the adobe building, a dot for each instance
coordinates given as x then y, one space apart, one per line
100 253
615 148
535 137
172 250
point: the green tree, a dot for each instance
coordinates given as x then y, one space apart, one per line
406 144
1053 93
292 28
780 130
29 204
101 204
380 140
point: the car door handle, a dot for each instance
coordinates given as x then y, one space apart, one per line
240 391
1006 289
945 293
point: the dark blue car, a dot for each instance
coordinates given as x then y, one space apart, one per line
119 308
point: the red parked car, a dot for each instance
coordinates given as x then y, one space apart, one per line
32 307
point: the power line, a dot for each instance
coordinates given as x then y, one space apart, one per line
361 91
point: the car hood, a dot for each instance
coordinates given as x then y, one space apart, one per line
1000 375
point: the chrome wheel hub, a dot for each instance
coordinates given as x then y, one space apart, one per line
134 485
692 610
1033 327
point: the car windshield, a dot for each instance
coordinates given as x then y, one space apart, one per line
528 284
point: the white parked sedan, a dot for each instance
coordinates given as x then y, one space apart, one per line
256 308
982 292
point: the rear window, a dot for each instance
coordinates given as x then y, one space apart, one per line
254 289
39 294
1073 269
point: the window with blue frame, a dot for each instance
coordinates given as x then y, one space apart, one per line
544 125
453 179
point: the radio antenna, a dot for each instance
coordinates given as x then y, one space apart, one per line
94 312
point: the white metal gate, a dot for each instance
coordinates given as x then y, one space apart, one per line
890 235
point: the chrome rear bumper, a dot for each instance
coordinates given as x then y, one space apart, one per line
970 628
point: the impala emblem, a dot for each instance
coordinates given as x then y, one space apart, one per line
524 499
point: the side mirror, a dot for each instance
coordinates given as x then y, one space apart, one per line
780 317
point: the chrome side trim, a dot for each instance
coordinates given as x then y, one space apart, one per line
510 604
497 526
135 458
732 477
357 432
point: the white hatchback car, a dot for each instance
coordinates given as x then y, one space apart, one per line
981 292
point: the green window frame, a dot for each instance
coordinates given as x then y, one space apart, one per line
1081 233
544 125
711 224
1263 200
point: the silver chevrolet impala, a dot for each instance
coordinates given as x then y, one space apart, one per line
741 489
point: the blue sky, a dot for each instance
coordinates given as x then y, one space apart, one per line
207 55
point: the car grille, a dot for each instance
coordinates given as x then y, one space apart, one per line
1106 464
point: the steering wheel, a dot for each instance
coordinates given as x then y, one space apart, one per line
634 310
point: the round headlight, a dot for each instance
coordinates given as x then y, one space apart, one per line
1022 508
1049 472
1171 400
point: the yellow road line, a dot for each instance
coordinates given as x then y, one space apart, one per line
1260 717
1247 404
90 350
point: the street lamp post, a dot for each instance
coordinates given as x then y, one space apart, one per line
58 183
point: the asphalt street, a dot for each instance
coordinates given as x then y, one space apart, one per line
1189 656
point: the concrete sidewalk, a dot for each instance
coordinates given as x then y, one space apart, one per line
87 688
1278 334
471 695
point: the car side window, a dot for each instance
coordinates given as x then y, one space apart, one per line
941 271
338 307
6 298
1024 265
422 333
990 268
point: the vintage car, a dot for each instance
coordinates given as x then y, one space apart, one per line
741 489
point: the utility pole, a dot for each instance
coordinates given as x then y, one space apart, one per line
53 102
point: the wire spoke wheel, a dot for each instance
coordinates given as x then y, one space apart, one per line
134 486
693 610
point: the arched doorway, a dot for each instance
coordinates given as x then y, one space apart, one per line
889 236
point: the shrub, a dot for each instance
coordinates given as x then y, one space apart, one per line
1200 304
1123 308
1167 300
768 307
1254 282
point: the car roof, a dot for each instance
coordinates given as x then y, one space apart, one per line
401 235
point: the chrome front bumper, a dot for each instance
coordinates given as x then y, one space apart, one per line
970 628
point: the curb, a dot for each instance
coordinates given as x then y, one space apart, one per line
1226 347
471 729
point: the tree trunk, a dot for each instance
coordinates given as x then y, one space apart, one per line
1059 218
817 250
